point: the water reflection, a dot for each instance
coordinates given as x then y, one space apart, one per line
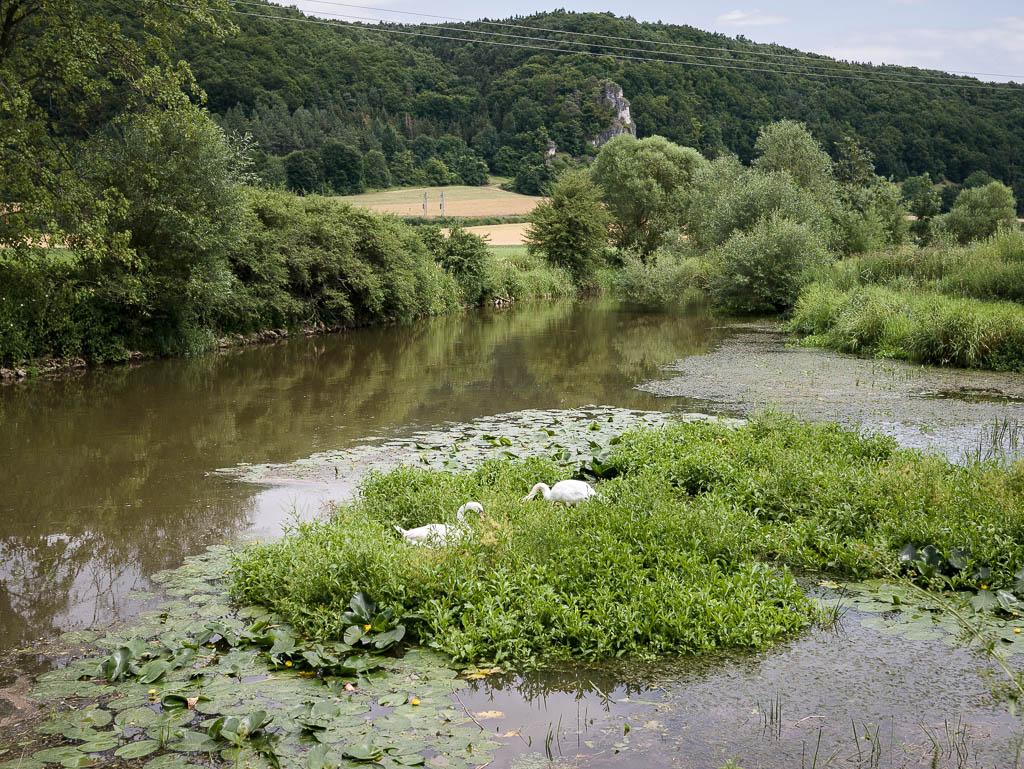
106 477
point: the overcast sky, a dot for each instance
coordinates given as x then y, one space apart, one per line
979 36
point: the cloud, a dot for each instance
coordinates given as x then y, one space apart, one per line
754 18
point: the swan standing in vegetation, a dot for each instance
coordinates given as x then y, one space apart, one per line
439 532
566 492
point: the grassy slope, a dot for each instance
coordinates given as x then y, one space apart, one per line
459 201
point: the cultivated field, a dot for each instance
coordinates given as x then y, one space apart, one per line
459 201
501 234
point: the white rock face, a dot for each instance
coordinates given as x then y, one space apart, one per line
623 122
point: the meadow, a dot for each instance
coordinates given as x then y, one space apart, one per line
460 201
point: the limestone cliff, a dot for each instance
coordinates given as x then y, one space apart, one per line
622 123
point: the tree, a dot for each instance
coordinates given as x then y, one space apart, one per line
180 181
855 163
464 256
571 228
342 167
977 178
980 211
375 170
645 184
922 201
304 171
436 173
788 146
68 69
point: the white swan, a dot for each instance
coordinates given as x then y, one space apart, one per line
440 533
566 492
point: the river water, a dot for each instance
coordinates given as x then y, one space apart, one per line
109 476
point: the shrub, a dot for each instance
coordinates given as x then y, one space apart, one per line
515 274
666 278
464 256
571 228
920 326
979 211
763 270
788 146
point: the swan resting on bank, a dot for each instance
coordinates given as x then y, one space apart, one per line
439 533
564 492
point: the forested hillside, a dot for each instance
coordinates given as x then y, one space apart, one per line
422 109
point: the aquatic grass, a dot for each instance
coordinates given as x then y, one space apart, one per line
923 327
513 274
638 574
688 550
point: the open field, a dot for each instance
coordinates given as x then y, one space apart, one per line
459 201
502 234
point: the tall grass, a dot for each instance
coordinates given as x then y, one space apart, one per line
922 327
514 274
687 550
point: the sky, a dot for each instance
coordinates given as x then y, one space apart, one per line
983 36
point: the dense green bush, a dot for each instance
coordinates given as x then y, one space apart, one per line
571 228
764 269
670 276
515 274
316 260
464 256
979 211
670 559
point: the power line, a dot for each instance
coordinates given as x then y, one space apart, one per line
835 67
720 49
621 57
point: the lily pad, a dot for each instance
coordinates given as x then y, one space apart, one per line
137 749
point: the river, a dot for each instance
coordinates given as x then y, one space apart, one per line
109 476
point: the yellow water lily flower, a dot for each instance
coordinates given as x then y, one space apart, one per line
1016 630
287 663
367 627
414 701
152 691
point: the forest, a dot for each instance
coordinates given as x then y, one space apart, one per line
420 109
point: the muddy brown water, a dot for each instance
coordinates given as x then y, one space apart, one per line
108 477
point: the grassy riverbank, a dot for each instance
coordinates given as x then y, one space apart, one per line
689 549
952 305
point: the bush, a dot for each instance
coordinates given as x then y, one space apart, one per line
515 274
464 256
571 228
668 277
979 211
763 270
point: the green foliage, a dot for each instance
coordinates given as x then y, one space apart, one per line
570 228
788 146
435 173
668 560
513 274
464 256
304 171
645 184
316 261
670 276
980 211
922 327
342 168
763 270
375 170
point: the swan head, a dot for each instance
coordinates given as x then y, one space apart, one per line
543 488
475 507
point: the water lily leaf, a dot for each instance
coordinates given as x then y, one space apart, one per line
167 761
140 717
365 751
320 757
959 558
78 762
389 638
154 670
56 755
99 745
410 760
189 742
984 600
116 665
353 634
137 749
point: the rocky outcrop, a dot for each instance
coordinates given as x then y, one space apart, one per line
622 122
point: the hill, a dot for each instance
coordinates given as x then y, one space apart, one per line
390 90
